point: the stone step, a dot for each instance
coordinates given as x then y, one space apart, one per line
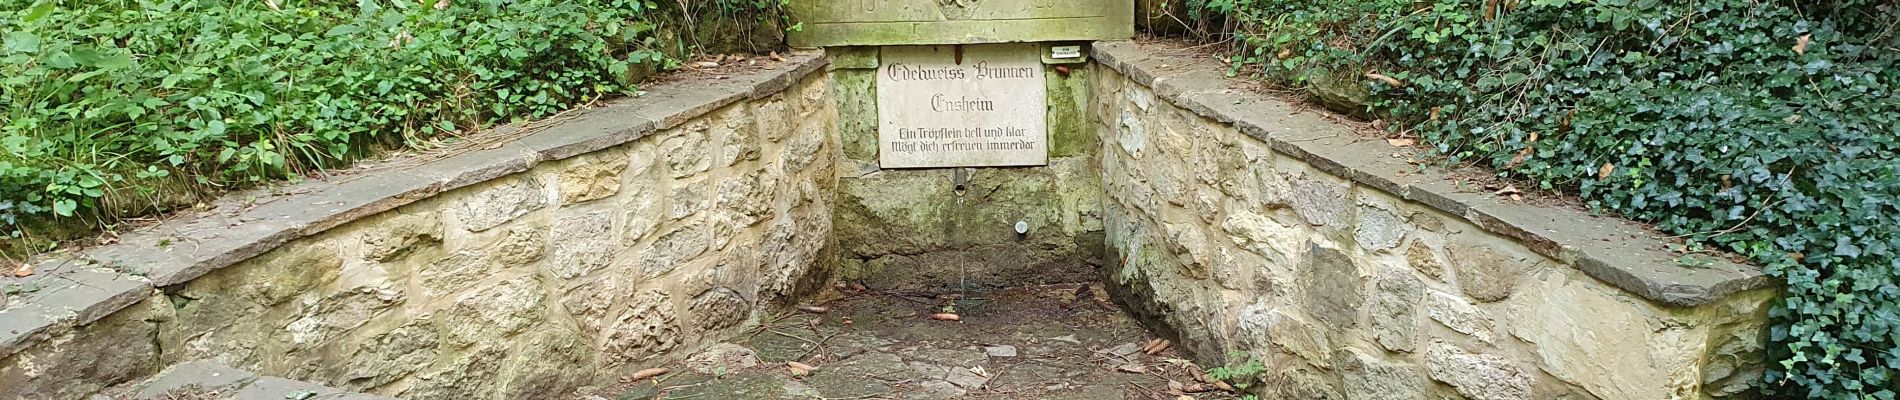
208 380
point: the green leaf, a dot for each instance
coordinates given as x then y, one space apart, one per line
102 58
65 207
23 42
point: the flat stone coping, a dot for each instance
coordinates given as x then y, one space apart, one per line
78 288
1613 250
195 378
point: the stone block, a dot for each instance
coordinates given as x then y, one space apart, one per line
1367 377
1394 309
676 248
1478 376
687 149
487 315
582 244
1331 290
592 177
1484 273
648 327
402 234
545 364
488 206
1460 315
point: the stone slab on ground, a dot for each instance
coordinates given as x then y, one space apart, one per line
207 380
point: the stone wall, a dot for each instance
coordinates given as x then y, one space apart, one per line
904 229
602 245
1242 225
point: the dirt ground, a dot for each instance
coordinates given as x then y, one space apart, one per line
1039 342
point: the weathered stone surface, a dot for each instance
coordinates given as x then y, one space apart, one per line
1477 376
741 137
1423 259
592 177
545 364
392 355
1379 229
454 274
1394 308
1369 378
270 387
687 149
1277 242
1321 201
486 315
1262 327
467 376
489 206
1625 353
276 276
589 302
641 209
72 364
719 308
687 200
1301 382
722 358
340 312
1131 134
744 200
676 248
1460 315
1330 287
1190 245
194 375
1484 273
647 328
402 234
583 243
522 246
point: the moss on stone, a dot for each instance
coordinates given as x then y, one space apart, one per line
1069 133
857 112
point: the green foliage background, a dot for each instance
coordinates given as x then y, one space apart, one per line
1765 128
122 99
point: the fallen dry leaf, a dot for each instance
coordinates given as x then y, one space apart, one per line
946 317
1401 142
1132 368
1159 347
1389 81
706 64
1605 171
1801 44
23 270
647 373
799 368
1284 53
1509 190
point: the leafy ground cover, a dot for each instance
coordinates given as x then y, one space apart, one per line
1769 129
111 108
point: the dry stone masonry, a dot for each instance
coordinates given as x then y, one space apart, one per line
1250 227
655 227
634 235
